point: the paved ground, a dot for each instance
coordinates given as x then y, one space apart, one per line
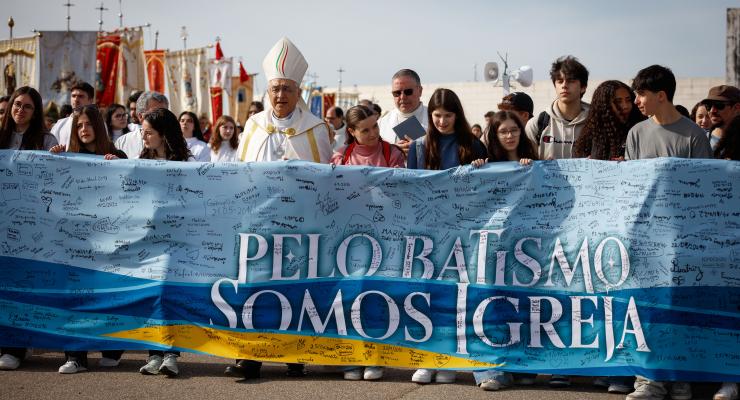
202 378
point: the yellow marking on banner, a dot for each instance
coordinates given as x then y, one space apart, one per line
290 348
314 146
246 141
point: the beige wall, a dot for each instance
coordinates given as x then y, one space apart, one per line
480 97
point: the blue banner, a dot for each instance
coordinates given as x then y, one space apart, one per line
577 267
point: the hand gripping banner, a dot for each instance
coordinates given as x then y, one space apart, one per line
576 267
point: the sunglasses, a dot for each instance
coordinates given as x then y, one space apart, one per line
406 92
719 105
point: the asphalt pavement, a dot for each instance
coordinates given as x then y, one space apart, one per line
201 378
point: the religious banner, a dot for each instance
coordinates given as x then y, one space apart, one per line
131 75
155 69
18 64
106 69
65 58
187 81
316 103
329 100
576 267
217 104
241 98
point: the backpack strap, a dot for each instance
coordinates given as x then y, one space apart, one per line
543 121
386 152
347 152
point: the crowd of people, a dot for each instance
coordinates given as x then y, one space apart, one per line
622 122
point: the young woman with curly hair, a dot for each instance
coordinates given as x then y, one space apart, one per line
610 117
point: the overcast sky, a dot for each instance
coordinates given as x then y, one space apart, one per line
442 40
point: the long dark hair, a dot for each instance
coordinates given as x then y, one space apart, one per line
216 139
496 152
448 100
109 118
603 136
103 144
196 125
33 138
729 145
168 126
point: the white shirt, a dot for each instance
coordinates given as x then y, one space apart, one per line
62 130
340 137
395 117
226 153
131 143
199 149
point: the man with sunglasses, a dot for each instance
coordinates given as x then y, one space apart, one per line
723 104
82 94
406 90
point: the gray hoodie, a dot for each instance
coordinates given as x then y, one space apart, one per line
559 135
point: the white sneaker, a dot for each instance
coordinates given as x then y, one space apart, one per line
354 374
491 385
108 362
728 391
152 365
445 376
169 365
373 373
71 367
9 362
423 376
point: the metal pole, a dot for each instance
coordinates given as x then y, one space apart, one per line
68 5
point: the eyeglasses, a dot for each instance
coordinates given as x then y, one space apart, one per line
26 107
406 92
514 132
719 105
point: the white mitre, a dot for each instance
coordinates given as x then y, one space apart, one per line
284 61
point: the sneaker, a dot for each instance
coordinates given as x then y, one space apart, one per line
152 365
491 385
559 381
169 365
445 376
646 390
9 362
728 391
373 373
681 391
108 362
354 374
619 388
71 367
422 376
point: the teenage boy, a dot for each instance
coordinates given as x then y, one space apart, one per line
666 133
556 129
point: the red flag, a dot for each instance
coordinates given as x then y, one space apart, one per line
219 53
243 76
106 67
217 108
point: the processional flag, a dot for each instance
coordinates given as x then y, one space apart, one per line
220 72
65 58
155 69
187 78
106 69
131 64
18 64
